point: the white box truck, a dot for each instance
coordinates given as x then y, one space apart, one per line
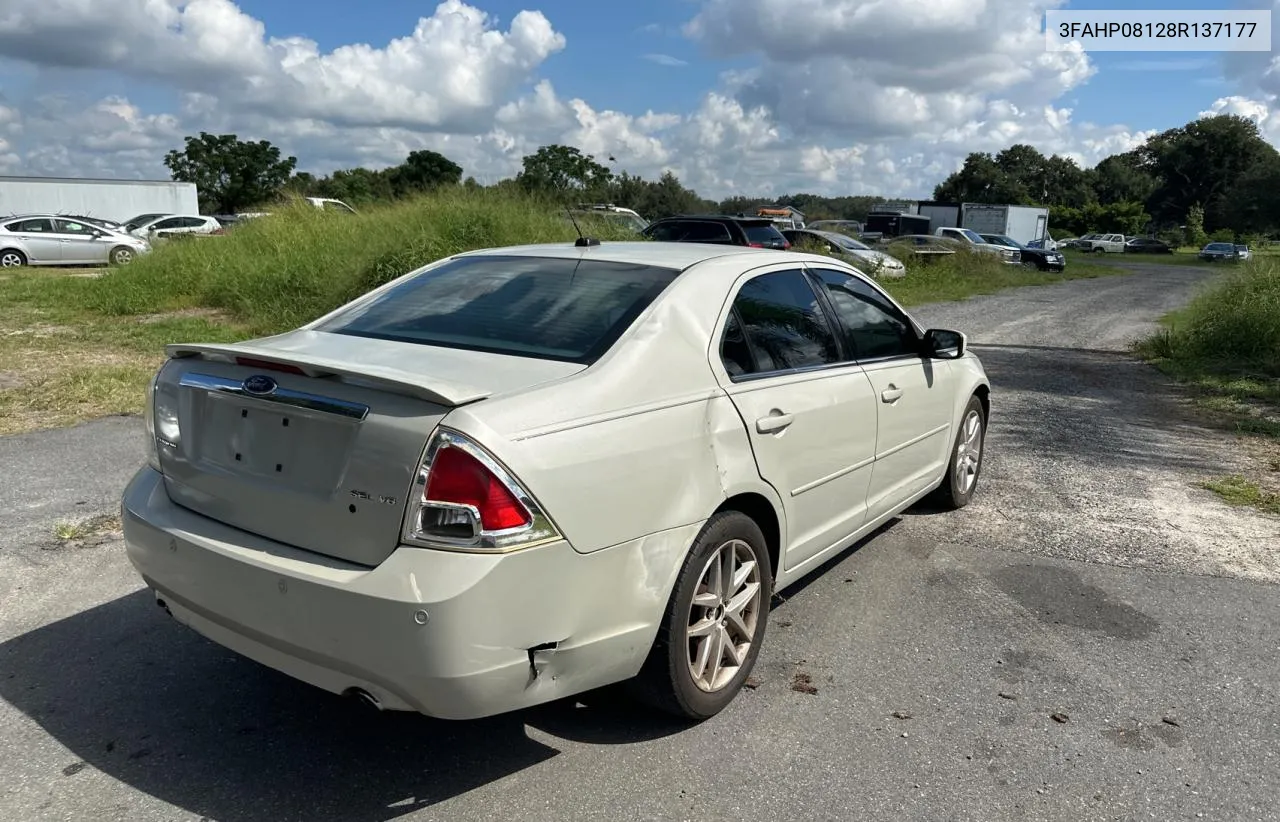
1026 224
116 200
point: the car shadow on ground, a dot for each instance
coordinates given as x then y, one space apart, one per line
135 695
142 699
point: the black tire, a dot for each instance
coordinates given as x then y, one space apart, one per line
121 255
665 681
12 258
951 494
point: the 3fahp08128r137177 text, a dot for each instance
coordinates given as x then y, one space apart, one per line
1158 30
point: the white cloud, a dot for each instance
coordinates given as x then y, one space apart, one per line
450 73
666 60
846 96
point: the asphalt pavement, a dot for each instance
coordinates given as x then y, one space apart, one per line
1093 638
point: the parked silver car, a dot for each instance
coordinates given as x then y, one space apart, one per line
45 239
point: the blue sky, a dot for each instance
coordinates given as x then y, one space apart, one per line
840 96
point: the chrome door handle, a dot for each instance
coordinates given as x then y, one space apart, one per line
891 394
773 422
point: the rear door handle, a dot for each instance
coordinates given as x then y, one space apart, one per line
773 422
891 394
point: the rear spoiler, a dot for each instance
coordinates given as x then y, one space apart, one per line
389 379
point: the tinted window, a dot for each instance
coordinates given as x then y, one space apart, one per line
783 324
873 325
172 222
764 234
734 351
69 227
559 309
192 222
690 231
31 226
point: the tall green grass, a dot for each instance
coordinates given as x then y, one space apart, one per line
1234 326
1226 346
277 272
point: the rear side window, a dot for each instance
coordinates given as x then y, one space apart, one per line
778 326
764 234
31 226
541 307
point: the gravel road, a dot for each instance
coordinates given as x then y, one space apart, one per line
1090 580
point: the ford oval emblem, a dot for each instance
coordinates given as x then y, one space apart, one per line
259 385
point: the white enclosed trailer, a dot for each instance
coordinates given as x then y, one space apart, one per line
1026 224
116 200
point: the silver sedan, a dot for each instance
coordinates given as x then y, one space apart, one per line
43 239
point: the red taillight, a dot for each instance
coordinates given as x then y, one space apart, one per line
457 478
757 245
785 245
270 366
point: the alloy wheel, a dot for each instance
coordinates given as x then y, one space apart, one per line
723 615
968 452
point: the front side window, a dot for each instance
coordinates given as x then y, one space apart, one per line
542 307
172 222
782 326
873 326
71 227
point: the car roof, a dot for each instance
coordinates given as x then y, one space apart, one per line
663 255
736 218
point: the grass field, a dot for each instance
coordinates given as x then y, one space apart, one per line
74 347
1226 347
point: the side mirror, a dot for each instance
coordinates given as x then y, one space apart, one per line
941 344
98 234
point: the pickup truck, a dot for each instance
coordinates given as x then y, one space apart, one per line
1105 243
975 242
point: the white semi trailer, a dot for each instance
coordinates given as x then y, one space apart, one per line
116 200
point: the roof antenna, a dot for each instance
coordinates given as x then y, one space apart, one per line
582 241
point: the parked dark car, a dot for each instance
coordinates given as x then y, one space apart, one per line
1037 258
1147 245
757 232
1220 252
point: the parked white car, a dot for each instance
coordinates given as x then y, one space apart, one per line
171 224
45 239
1105 243
518 474
974 241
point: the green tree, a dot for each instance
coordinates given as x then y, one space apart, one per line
230 173
423 171
562 170
1197 164
1253 203
1123 178
1193 231
981 180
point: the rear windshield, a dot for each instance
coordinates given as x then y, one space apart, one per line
763 234
541 307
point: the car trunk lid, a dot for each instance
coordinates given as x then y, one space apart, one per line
314 439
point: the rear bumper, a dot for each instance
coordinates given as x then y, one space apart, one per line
445 634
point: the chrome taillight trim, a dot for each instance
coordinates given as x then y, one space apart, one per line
539 531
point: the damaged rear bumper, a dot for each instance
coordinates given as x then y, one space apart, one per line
450 635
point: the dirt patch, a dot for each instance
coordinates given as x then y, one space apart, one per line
39 330
10 380
87 533
211 314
